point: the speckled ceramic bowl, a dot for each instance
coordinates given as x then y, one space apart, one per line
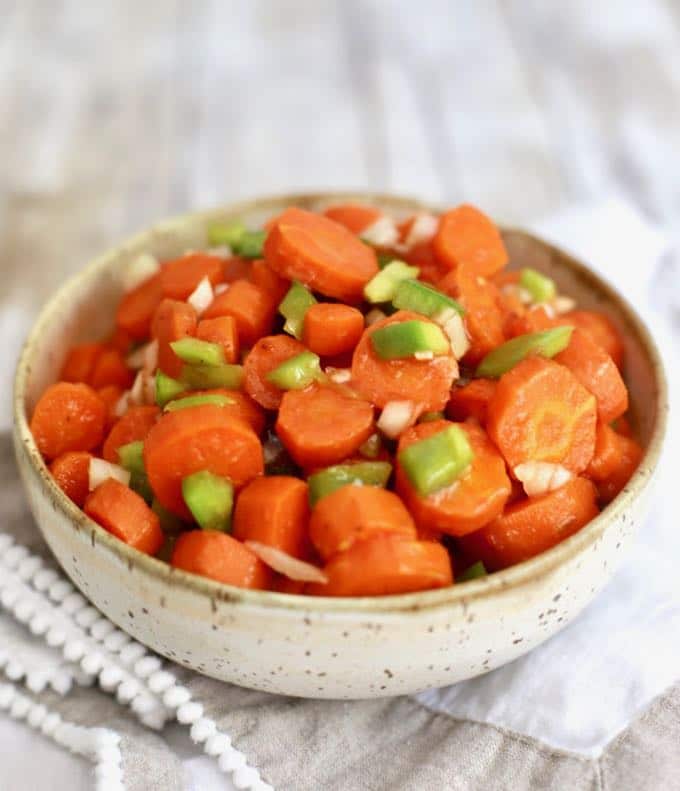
313 647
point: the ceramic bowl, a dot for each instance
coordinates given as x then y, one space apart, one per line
316 647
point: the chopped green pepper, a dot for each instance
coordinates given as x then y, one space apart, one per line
197 352
407 338
297 372
167 388
204 377
371 448
541 288
215 399
364 473
250 244
293 307
472 572
430 417
210 499
421 298
384 259
225 233
436 462
131 458
382 287
547 343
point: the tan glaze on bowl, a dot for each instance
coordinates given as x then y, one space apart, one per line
316 647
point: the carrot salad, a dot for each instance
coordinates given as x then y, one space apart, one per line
341 404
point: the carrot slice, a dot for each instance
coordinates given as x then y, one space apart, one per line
68 416
199 438
540 412
137 307
220 557
283 584
320 426
331 329
484 320
171 321
601 329
221 330
71 472
320 253
533 320
110 395
275 512
356 217
124 513
110 369
266 355
121 340
422 255
80 362
425 382
266 278
134 425
243 407
236 268
471 400
470 502
616 459
598 373
534 525
385 564
181 276
355 513
252 308
467 237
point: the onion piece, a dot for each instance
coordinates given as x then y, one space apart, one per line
374 315
201 296
222 251
145 357
457 334
563 304
286 564
396 417
220 288
122 405
339 376
101 470
382 233
138 270
422 229
423 355
541 477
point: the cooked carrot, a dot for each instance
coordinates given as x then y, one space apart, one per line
356 217
320 253
243 407
471 400
110 369
282 584
533 320
597 372
331 329
468 238
320 426
252 308
268 353
425 382
71 472
181 276
134 425
616 458
540 412
476 498
266 278
80 362
484 320
275 512
171 321
355 513
110 395
221 330
601 329
422 255
199 438
121 340
622 426
220 557
125 514
68 416
137 307
236 268
533 525
385 564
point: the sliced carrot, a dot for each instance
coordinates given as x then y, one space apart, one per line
80 362
616 459
68 416
471 400
124 513
252 308
533 320
355 513
425 382
622 426
422 256
331 329
283 584
268 353
275 512
474 499
236 268
468 238
600 328
220 557
320 426
121 340
199 438
320 253
110 395
181 276
223 331
356 217
597 372
534 525
540 412
243 407
71 472
137 307
385 564
171 321
484 320
110 369
134 425
266 278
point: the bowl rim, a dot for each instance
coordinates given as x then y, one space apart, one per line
527 572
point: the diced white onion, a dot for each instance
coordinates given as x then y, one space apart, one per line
271 449
422 229
338 375
374 315
396 417
382 233
549 310
541 477
220 288
524 296
149 388
457 334
424 355
122 405
143 357
137 389
135 359
101 470
150 357
138 270
285 564
563 305
223 251
201 296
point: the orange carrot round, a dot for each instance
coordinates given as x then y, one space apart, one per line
533 320
80 362
266 355
223 331
68 416
615 460
243 407
252 308
134 425
236 268
266 278
356 217
110 369
181 276
471 400
137 307
601 329
71 472
467 237
110 395
331 329
171 321
124 513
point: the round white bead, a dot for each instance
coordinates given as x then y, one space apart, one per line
202 729
217 744
231 761
176 696
189 712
